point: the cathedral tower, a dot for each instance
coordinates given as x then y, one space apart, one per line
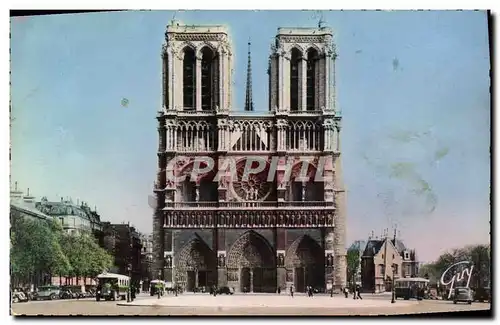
302 89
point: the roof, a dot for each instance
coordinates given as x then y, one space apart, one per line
67 208
112 276
28 209
373 247
411 279
399 245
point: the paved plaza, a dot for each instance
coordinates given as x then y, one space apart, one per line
267 300
244 304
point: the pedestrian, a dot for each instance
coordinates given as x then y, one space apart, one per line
279 290
346 292
358 290
291 290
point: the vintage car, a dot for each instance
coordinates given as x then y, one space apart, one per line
225 290
463 294
19 296
48 292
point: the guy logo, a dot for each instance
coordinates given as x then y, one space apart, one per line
458 276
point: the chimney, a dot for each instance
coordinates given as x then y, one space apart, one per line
29 199
15 195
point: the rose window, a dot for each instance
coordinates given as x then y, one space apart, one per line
254 187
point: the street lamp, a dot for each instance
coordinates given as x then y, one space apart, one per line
158 288
129 293
392 286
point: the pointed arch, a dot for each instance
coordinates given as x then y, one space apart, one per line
195 254
297 47
312 46
304 251
304 187
296 55
305 261
185 46
189 76
251 250
201 47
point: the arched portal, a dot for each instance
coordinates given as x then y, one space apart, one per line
305 258
195 265
251 264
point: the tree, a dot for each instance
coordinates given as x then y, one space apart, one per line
35 248
85 255
479 255
352 264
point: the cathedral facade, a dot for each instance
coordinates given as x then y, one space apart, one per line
279 226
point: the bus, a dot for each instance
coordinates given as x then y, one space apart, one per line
408 288
155 286
111 286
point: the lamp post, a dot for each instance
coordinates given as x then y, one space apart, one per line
393 300
129 293
158 288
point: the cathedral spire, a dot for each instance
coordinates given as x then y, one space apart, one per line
248 99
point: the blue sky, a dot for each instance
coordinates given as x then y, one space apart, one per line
413 88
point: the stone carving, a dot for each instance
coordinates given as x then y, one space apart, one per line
198 37
329 260
168 261
281 260
302 39
222 260
232 276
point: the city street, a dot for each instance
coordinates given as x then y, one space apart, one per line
242 304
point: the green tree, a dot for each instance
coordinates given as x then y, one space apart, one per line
35 248
352 264
86 257
479 255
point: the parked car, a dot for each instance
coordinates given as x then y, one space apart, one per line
225 290
68 293
463 294
19 296
48 292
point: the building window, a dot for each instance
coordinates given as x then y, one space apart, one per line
381 270
294 79
407 256
395 268
311 79
189 79
207 76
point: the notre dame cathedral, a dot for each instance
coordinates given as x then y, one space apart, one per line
260 233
